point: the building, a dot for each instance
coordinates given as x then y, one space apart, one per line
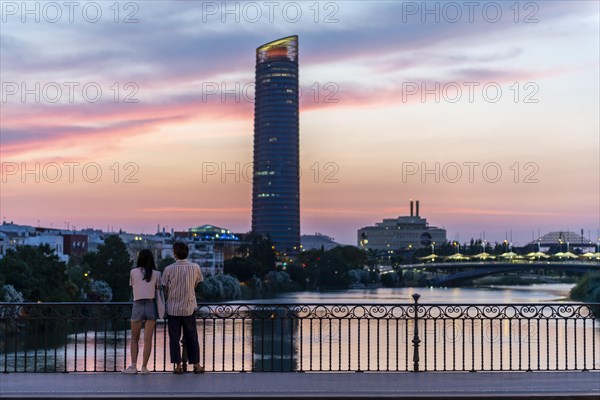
562 241
210 261
404 232
135 242
13 235
18 230
317 242
75 245
276 177
223 240
211 232
203 253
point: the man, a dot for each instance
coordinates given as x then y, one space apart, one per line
180 280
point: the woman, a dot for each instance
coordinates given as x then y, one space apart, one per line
144 279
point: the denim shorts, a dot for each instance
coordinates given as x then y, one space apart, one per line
143 310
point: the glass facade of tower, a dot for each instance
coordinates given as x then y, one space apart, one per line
276 178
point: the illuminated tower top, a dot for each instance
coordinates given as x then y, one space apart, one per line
286 48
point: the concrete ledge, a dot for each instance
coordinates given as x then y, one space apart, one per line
393 385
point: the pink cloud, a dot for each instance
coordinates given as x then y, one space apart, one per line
195 210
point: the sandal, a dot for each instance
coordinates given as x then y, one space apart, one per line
198 369
177 370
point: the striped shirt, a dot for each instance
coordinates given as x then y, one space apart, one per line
180 280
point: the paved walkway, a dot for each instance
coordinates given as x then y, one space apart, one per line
423 385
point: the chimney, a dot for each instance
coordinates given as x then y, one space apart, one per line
411 208
417 209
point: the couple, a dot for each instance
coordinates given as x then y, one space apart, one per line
179 281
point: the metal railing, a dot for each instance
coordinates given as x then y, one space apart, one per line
95 337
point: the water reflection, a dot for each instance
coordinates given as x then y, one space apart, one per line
466 295
273 334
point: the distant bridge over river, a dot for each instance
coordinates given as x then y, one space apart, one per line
457 272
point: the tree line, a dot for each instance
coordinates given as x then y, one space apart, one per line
38 274
35 273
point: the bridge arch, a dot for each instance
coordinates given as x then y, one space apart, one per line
470 271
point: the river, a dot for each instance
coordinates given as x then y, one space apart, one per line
539 293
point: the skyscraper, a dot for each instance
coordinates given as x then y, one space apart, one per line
276 177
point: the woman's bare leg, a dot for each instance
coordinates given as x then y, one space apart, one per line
148 333
136 327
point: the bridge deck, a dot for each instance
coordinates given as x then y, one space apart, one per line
423 385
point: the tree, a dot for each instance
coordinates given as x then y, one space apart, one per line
38 273
164 263
359 275
277 281
242 268
211 289
15 271
332 271
8 294
112 264
219 288
231 287
306 274
300 275
100 291
76 274
391 279
263 252
354 257
587 289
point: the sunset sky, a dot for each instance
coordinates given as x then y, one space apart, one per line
528 106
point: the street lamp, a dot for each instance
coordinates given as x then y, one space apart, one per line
457 245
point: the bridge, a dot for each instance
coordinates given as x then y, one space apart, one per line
547 351
457 272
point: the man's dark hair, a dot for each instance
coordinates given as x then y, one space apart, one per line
181 250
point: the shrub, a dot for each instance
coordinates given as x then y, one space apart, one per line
230 287
358 275
100 291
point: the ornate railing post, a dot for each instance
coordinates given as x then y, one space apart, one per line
416 339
